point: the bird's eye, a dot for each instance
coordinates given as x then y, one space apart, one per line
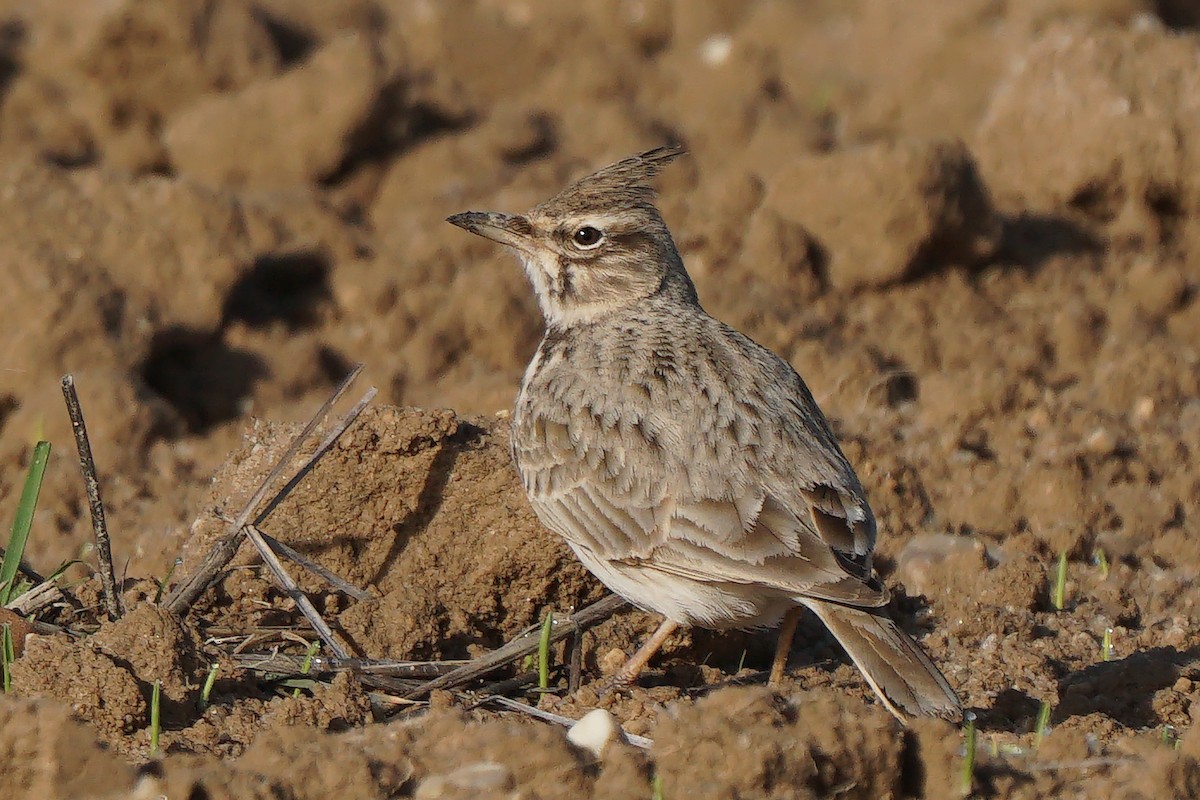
587 236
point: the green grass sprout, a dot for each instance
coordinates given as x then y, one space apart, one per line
19 587
8 654
155 716
967 778
306 666
297 684
1060 582
162 585
24 521
1043 724
656 790
64 566
544 651
1170 737
1106 651
1102 562
209 681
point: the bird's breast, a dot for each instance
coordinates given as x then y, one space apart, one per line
638 415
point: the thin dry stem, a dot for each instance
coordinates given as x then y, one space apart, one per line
555 719
36 599
334 580
108 576
575 675
287 663
334 434
191 586
292 589
523 645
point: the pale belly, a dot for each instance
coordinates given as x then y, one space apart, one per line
716 606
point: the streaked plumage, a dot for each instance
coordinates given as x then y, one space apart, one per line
688 467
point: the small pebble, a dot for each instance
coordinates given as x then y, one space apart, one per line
1101 442
612 661
594 731
715 50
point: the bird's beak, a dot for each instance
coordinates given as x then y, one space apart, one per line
510 229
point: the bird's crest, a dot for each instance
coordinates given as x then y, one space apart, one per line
624 184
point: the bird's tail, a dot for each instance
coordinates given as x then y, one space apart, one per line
895 666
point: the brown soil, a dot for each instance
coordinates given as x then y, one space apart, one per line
974 227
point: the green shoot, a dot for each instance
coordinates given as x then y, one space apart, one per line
1043 724
544 651
1106 651
209 681
967 778
1170 737
1102 562
8 654
656 790
24 521
1060 582
64 566
20 587
155 716
162 585
306 666
741 661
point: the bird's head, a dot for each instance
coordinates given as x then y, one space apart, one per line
597 246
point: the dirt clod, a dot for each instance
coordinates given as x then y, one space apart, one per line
96 688
901 208
804 746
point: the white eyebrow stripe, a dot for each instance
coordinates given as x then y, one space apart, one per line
602 221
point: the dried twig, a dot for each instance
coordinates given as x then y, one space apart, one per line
286 663
32 575
334 434
523 645
575 675
1084 763
293 591
36 598
108 576
188 589
556 719
513 684
334 580
292 667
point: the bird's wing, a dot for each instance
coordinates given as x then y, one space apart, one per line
753 539
770 502
775 548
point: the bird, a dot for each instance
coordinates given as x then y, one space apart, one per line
688 467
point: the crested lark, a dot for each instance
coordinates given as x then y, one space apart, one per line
688 467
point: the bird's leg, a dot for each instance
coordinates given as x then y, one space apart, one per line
637 662
787 632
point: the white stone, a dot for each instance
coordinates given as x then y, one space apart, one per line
715 50
594 731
